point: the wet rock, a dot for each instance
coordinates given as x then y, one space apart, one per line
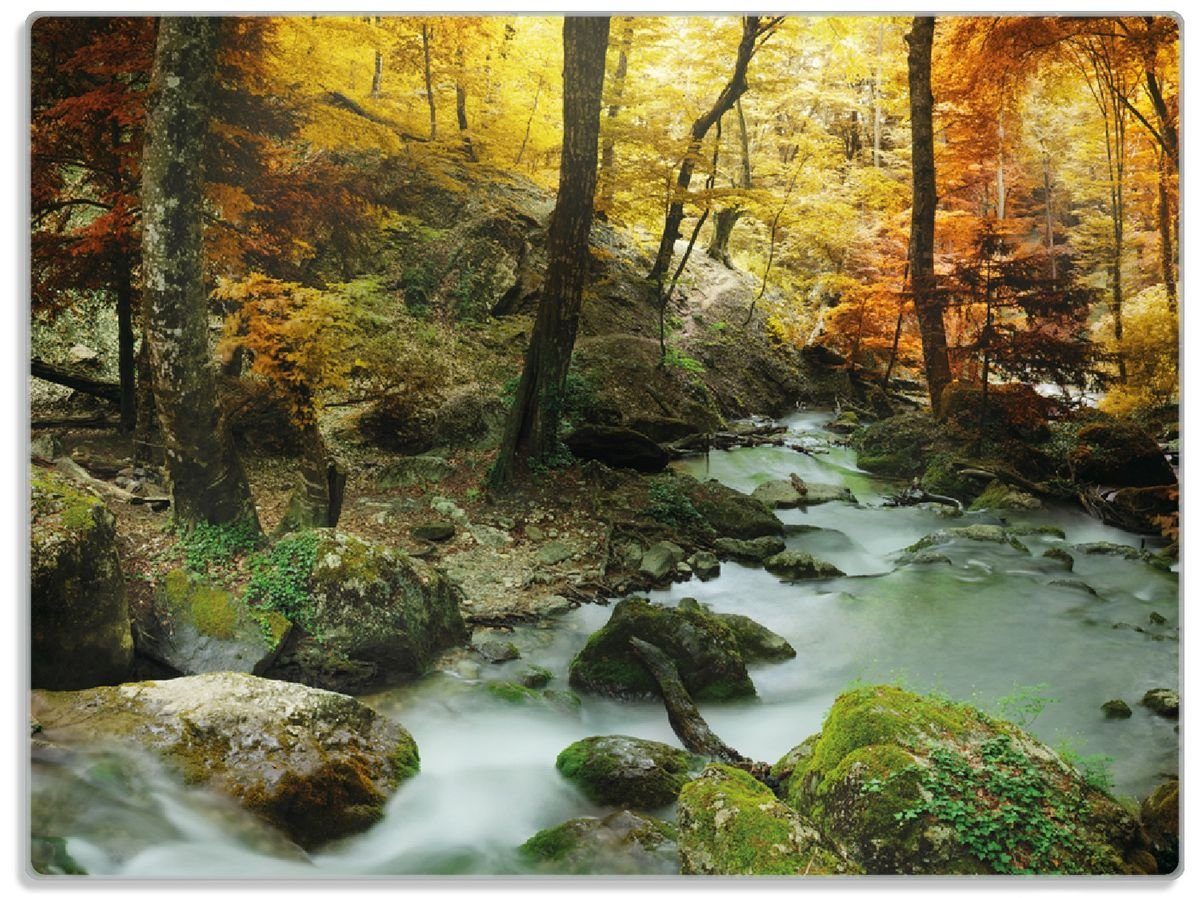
316 764
1061 555
1076 584
1164 702
898 446
703 648
1000 495
730 824
617 447
819 493
705 564
778 494
80 631
927 557
664 430
435 531
535 677
627 771
1156 618
1116 709
1160 817
196 627
871 782
497 652
845 422
792 564
370 614
987 533
1141 507
623 842
659 561
1116 453
755 641
1127 552
730 513
750 549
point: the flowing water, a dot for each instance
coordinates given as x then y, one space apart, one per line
990 628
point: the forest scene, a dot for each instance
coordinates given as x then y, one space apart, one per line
633 446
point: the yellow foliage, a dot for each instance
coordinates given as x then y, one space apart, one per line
1150 347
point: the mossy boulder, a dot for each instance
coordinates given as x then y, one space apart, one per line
626 771
1163 702
917 784
1116 453
617 447
749 549
730 513
316 764
659 561
792 564
943 477
982 533
1160 817
756 642
1003 497
80 632
704 650
197 627
777 494
624 842
730 824
370 615
898 446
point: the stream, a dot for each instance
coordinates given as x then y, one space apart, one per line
990 629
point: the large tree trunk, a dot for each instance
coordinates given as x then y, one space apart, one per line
532 430
736 86
316 500
920 248
207 481
607 179
147 443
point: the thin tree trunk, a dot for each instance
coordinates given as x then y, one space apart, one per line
1001 192
1048 189
736 86
926 301
460 108
531 434
377 78
207 482
607 179
529 122
877 97
147 443
125 339
1166 248
728 217
426 36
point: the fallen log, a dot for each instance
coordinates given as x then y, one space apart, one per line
65 377
915 495
685 719
73 470
98 422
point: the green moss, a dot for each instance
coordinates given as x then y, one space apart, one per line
550 844
406 761
626 771
212 611
512 692
53 495
941 477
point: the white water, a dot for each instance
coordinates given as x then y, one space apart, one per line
977 631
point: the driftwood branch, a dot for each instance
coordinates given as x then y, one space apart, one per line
685 718
914 495
75 472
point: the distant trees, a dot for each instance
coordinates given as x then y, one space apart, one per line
207 482
531 435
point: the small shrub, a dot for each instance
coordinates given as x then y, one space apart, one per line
676 359
206 546
279 579
670 505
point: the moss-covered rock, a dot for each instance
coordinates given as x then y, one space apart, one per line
730 824
756 642
943 477
983 533
749 549
197 627
627 771
898 446
370 615
1160 817
792 564
916 784
621 843
1129 553
80 632
777 494
703 648
1062 556
316 764
1116 453
1002 496
728 512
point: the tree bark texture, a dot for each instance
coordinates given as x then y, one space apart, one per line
728 217
532 430
920 248
207 481
426 36
734 88
608 152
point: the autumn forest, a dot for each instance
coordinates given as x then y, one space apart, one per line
635 445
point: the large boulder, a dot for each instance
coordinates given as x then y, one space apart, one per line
731 514
80 632
626 771
621 843
195 626
369 614
703 648
730 824
898 446
316 764
912 784
617 447
1160 817
754 641
792 564
1114 453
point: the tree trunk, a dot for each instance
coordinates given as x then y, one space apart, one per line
147 444
607 180
207 481
426 34
460 108
531 434
1048 189
377 78
125 339
1166 248
1001 191
926 301
316 501
728 217
729 95
877 101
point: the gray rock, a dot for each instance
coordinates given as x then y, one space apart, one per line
1116 709
627 771
792 564
705 564
755 641
434 531
818 493
490 536
554 553
660 559
535 677
498 651
1164 702
749 549
413 469
624 842
83 355
778 494
316 764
